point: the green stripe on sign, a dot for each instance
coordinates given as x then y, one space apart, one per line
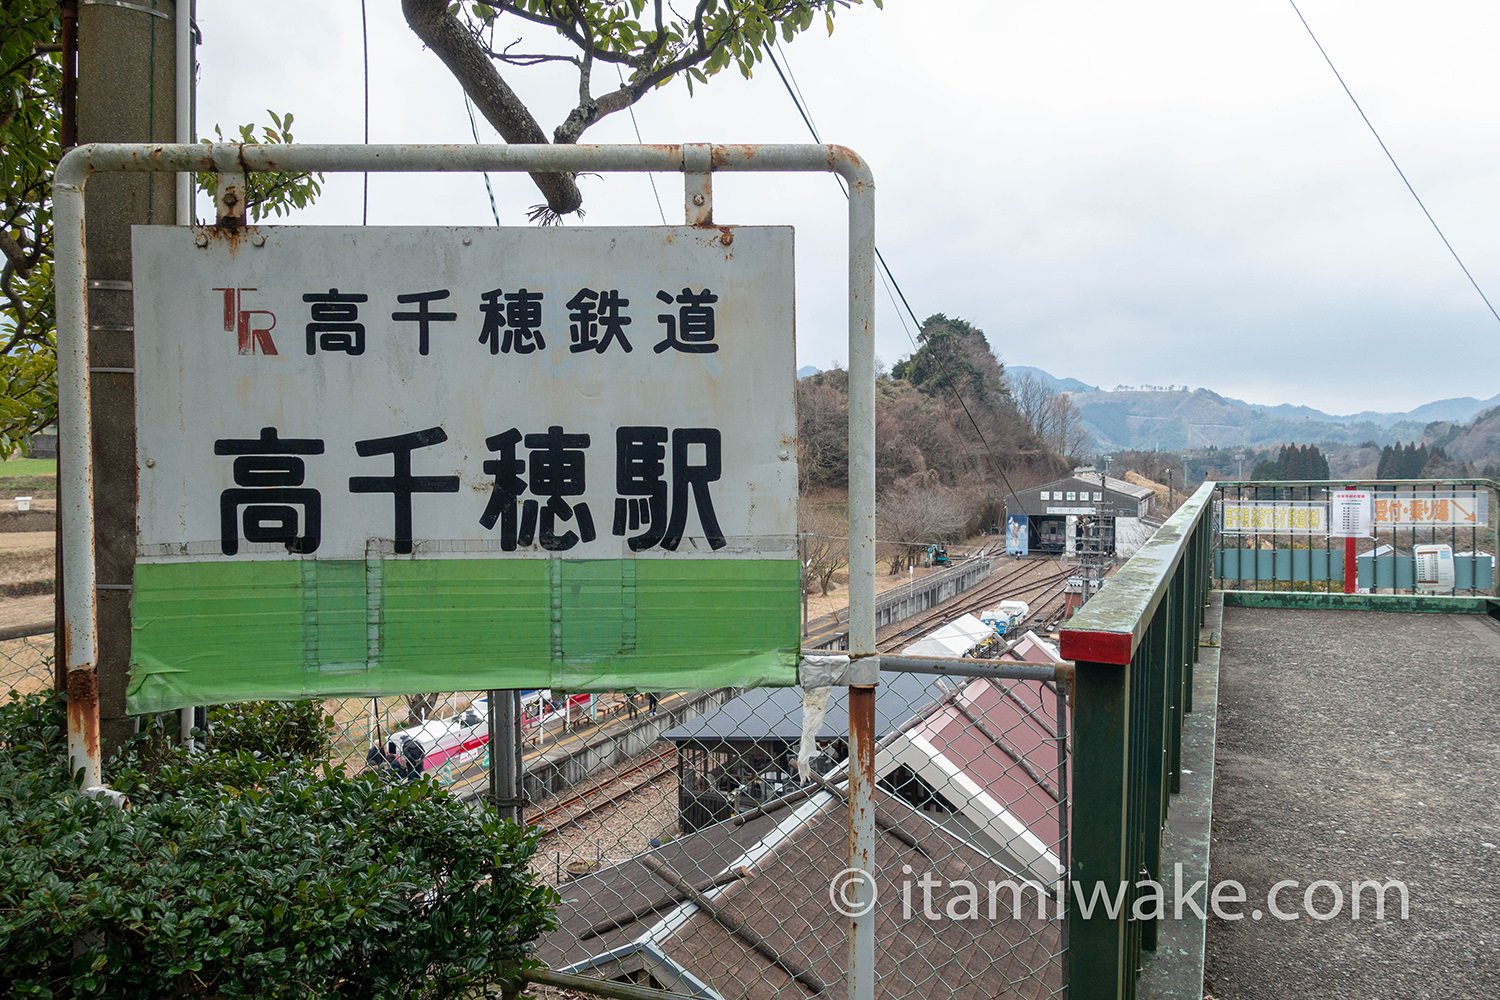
213 632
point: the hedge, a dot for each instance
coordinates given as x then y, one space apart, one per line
244 875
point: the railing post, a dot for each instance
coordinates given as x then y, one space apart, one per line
1099 968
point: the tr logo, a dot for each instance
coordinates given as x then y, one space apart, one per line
251 332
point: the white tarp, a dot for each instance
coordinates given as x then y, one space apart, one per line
954 639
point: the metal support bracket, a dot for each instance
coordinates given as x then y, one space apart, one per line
229 200
697 167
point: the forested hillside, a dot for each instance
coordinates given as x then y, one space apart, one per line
949 438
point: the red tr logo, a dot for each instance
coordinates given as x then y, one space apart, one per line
250 332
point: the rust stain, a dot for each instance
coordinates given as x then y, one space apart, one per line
83 706
229 233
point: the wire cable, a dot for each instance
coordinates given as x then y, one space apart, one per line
636 125
474 127
793 92
364 30
1388 156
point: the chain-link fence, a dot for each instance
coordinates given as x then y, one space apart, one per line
709 865
26 658
691 853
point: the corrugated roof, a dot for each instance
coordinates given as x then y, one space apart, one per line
776 713
784 906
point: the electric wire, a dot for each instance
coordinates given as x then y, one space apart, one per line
474 127
636 125
1388 156
364 30
793 92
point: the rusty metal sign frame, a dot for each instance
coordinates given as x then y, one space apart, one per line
697 162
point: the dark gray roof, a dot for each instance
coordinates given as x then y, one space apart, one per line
776 713
785 902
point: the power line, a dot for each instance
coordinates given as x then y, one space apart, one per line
1388 156
636 125
794 93
364 31
474 127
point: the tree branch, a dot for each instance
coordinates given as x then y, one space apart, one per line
469 63
526 58
15 255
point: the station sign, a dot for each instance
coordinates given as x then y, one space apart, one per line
397 460
1441 509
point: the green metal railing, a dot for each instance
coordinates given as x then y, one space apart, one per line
1274 536
1134 646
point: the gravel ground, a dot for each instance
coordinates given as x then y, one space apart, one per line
614 833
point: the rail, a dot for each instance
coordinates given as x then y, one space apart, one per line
1134 646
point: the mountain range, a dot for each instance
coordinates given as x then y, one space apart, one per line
1175 417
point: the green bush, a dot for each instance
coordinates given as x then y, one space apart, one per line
275 728
234 876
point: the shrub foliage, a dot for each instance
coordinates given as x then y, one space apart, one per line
235 875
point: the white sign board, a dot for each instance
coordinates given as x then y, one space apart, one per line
1287 517
390 366
1440 509
373 396
1351 514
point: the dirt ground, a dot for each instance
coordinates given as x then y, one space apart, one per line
838 594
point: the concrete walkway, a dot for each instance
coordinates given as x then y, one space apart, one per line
1358 746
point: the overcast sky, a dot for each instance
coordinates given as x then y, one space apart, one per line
1121 192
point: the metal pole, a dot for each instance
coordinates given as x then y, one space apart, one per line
75 480
183 21
861 807
505 753
184 24
802 561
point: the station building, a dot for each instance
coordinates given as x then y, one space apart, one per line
1087 512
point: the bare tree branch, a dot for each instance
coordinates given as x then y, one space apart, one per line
510 58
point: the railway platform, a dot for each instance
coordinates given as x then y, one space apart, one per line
1354 747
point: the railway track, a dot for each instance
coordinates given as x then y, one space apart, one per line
830 627
582 804
1018 582
1040 593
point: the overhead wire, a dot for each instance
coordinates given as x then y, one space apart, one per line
794 93
1384 149
364 31
649 176
474 128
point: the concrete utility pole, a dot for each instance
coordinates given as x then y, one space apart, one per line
127 92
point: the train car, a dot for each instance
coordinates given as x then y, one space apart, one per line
427 747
